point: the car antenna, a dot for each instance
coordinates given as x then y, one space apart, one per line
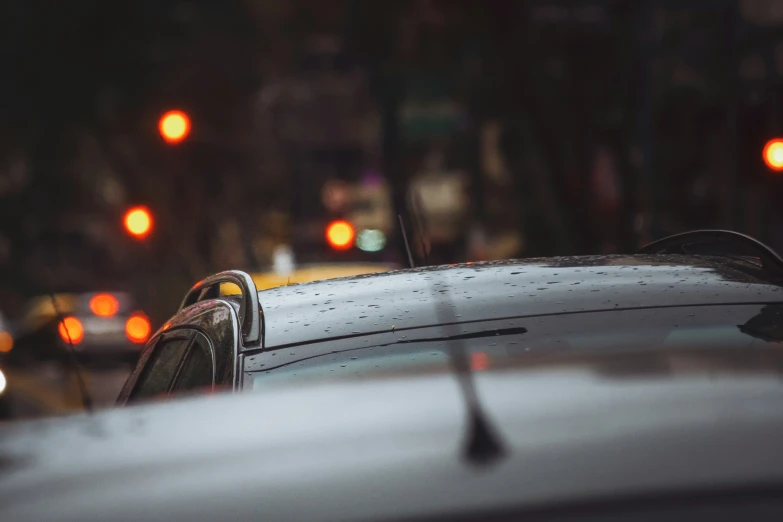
483 445
405 239
83 391
423 240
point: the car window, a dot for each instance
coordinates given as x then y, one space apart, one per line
219 321
181 365
492 342
161 368
197 372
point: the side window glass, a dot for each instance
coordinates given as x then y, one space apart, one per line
161 368
197 373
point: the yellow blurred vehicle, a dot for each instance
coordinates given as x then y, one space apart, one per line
307 273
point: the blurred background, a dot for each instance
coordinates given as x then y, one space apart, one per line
146 144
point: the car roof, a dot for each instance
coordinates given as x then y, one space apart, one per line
417 298
575 429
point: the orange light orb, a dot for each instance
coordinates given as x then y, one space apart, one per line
138 222
340 235
104 305
70 328
174 126
773 154
138 328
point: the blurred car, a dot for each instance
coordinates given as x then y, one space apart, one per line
702 289
312 272
100 325
649 435
307 273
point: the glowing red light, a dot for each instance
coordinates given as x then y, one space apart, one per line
71 328
340 235
174 126
138 328
138 222
104 305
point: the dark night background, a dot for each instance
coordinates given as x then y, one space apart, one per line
557 127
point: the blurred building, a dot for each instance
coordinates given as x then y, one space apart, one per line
520 128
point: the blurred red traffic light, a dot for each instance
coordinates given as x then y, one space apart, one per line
138 222
773 154
174 126
340 234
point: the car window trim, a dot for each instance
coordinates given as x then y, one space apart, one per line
207 345
188 321
167 337
181 364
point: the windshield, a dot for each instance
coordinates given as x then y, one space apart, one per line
492 343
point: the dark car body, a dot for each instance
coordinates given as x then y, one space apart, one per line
528 304
652 436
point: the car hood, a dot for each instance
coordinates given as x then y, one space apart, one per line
576 430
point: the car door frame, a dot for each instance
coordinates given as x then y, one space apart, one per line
212 319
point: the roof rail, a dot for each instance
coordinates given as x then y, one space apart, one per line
687 243
251 315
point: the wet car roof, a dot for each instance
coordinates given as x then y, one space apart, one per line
593 427
496 290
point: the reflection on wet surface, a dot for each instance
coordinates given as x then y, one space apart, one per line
654 341
767 326
396 301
